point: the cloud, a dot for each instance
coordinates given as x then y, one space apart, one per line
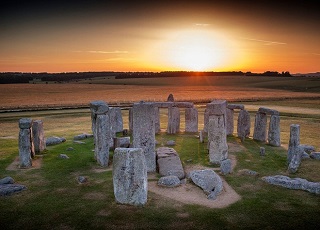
267 43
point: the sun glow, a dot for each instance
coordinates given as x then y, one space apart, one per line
197 51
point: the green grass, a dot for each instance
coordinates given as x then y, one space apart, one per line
55 200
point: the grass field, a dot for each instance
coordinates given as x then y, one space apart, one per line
55 200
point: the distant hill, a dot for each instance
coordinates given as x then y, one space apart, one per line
316 74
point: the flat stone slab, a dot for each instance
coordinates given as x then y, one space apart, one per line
268 111
169 181
295 183
235 106
169 163
54 140
9 189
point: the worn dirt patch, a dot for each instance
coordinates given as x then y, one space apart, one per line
36 164
95 196
235 147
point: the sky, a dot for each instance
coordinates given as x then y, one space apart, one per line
76 36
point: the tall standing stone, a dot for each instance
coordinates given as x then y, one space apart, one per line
215 107
101 131
294 141
173 120
157 119
260 127
230 122
144 132
130 120
274 131
130 179
243 126
26 148
191 119
116 121
38 136
217 139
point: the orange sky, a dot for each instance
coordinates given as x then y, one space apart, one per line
54 36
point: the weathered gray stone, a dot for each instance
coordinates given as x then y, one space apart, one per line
315 155
157 120
173 104
235 106
7 180
295 160
274 131
191 120
63 156
169 162
144 132
130 120
201 137
225 166
295 183
116 121
308 148
102 140
305 156
173 120
171 143
230 122
216 107
99 107
268 111
244 124
169 181
294 141
79 142
260 127
130 179
38 136
262 151
26 148
82 179
9 189
248 172
82 136
209 181
121 142
54 140
217 139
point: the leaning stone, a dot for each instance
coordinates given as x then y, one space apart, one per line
315 155
262 151
54 140
235 106
274 131
295 160
64 156
260 127
38 136
225 166
268 111
169 181
308 148
7 180
208 180
296 183
9 189
130 179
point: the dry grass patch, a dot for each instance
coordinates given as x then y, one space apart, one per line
95 196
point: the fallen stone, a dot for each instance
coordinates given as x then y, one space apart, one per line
9 189
308 148
296 183
71 149
171 143
82 136
169 181
169 163
209 181
79 142
82 179
7 180
315 155
64 156
225 166
54 140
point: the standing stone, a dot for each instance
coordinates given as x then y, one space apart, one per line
217 139
130 179
116 121
225 166
294 141
243 127
101 131
260 127
216 107
157 119
230 122
296 159
191 119
201 136
173 120
144 132
38 136
26 148
274 131
130 120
